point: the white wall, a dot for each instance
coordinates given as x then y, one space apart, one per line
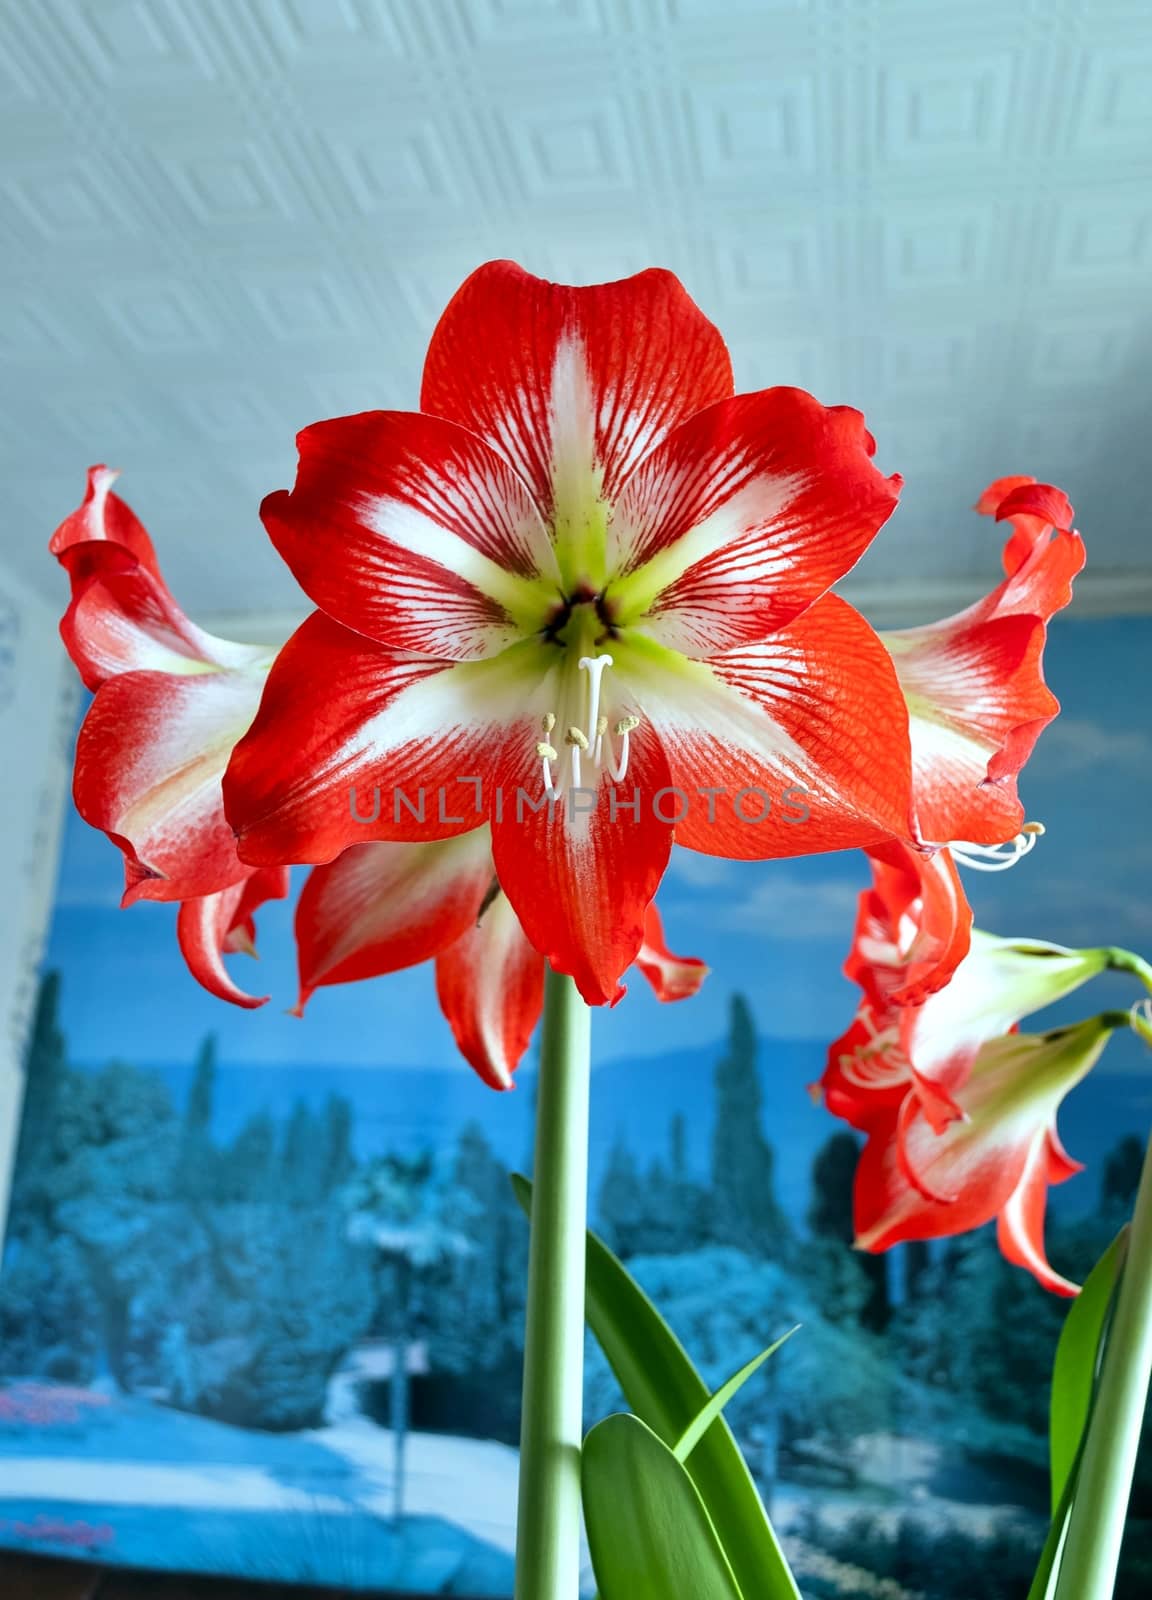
39 695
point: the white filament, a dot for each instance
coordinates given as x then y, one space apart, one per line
996 857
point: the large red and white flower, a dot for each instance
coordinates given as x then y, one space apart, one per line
170 702
974 683
380 907
996 1161
585 578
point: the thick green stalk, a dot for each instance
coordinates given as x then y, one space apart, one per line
548 1526
1096 1523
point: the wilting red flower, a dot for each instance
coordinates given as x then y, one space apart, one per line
383 906
170 703
996 1161
974 683
584 568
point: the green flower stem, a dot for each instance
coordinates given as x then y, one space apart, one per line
1128 961
548 1525
1096 1522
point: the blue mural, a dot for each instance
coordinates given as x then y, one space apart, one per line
206 1365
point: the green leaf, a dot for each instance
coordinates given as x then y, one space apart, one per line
665 1391
1074 1370
1042 1577
1074 1375
693 1433
649 1533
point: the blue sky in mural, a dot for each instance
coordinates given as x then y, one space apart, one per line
775 930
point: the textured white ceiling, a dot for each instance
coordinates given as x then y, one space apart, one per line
222 219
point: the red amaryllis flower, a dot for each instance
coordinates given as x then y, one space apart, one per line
913 926
914 1059
996 1162
588 579
974 684
170 703
383 906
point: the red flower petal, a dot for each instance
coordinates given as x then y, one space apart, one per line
581 884
380 907
915 1183
913 927
672 977
572 385
354 742
1034 510
1020 1226
890 1209
490 984
123 619
101 519
975 682
977 702
214 924
414 532
867 1077
801 740
989 502
745 514
149 760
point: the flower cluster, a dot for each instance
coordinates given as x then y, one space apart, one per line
958 1108
584 580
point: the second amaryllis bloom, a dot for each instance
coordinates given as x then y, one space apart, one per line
996 1162
916 1058
974 683
170 702
580 598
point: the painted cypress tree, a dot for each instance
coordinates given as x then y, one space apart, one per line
1122 1174
830 1218
917 1255
620 1199
196 1163
745 1212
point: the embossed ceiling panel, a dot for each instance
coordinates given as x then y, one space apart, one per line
221 219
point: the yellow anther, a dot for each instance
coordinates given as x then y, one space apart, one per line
626 725
601 727
1034 827
545 752
578 737
548 721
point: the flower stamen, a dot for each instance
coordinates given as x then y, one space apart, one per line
997 857
547 754
618 768
576 740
